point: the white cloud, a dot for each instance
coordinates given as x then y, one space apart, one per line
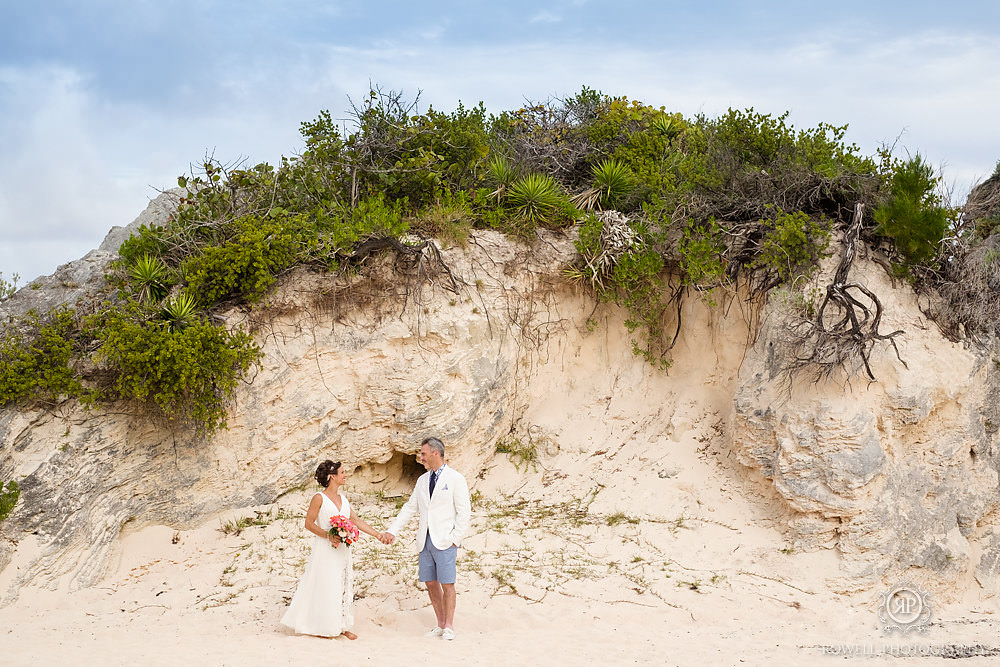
75 165
545 17
432 32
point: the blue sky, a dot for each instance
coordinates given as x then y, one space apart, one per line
104 101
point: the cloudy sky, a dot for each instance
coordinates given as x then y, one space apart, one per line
102 102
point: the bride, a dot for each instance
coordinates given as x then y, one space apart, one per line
323 604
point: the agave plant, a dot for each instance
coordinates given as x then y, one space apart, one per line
151 276
665 124
613 180
535 197
502 174
179 312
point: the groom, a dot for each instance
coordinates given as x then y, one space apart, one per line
441 497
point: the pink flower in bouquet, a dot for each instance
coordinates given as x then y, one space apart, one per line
344 528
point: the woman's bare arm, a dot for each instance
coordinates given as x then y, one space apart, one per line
363 525
312 514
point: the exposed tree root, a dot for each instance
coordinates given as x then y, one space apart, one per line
425 257
846 325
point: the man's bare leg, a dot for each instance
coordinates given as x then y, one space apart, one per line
448 600
438 601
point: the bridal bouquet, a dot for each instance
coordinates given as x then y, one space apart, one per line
344 528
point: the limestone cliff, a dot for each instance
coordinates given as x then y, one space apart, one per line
894 475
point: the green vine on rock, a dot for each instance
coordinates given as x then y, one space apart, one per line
9 493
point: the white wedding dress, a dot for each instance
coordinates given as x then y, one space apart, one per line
323 603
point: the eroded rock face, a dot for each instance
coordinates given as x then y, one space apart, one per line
886 472
359 372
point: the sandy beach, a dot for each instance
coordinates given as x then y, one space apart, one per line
676 561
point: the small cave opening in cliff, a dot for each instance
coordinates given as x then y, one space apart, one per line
395 477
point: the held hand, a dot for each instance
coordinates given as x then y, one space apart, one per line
386 538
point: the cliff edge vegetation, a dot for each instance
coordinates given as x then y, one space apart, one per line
667 207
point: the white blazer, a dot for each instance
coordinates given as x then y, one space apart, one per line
446 516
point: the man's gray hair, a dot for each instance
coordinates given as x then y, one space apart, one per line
434 444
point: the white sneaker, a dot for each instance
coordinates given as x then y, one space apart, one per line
448 634
436 632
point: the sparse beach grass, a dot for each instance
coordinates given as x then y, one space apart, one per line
515 546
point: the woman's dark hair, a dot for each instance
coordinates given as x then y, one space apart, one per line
325 469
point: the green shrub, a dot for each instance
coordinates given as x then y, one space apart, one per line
823 151
616 120
754 139
702 254
7 289
246 264
588 240
450 219
987 226
9 493
36 364
187 374
640 138
489 211
793 246
147 241
535 197
501 174
376 216
458 140
320 179
912 215
400 154
186 370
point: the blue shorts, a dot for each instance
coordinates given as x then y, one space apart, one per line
438 564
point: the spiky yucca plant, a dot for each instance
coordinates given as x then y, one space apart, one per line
535 197
613 180
179 311
151 276
664 124
502 174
